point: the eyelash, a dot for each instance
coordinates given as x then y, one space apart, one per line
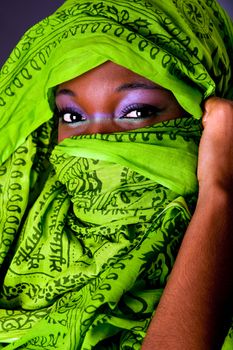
78 117
149 109
73 113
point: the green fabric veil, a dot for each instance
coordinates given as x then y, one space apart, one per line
89 237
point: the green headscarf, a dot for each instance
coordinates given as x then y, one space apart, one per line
89 237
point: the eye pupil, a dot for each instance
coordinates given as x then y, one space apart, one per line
140 112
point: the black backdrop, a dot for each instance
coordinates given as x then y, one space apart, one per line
16 16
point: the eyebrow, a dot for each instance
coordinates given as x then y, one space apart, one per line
123 87
66 92
137 85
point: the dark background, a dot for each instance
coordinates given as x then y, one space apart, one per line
17 16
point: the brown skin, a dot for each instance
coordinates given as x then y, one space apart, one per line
193 311
112 104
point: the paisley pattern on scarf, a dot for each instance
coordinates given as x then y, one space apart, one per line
89 234
195 13
108 237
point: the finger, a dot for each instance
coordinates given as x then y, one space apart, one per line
208 106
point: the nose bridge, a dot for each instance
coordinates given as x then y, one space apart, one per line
101 123
101 116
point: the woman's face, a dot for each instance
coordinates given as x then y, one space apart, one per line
111 98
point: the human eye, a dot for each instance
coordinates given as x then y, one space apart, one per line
70 116
139 112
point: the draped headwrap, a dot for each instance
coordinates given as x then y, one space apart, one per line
90 228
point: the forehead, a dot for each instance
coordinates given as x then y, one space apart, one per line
107 73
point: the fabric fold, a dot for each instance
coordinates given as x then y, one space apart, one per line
100 240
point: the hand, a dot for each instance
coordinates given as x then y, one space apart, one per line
215 163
